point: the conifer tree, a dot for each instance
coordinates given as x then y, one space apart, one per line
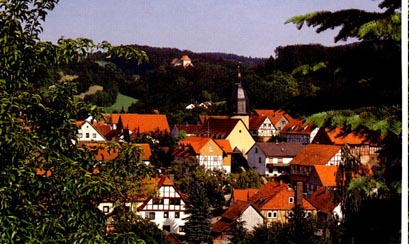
198 226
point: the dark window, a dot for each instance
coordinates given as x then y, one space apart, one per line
150 215
181 228
158 201
174 201
166 228
105 209
177 215
165 215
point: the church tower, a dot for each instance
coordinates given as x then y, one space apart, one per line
239 102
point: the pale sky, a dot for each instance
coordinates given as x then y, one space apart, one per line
243 27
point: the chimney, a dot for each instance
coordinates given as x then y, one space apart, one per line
299 193
172 177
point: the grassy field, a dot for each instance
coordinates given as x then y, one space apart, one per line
122 101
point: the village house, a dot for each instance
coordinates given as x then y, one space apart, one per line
276 200
209 153
184 61
273 159
278 118
167 208
87 133
233 130
298 131
359 143
262 128
321 176
240 212
313 154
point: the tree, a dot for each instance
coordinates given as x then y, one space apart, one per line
198 226
239 232
48 187
360 195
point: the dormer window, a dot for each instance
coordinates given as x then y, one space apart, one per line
291 199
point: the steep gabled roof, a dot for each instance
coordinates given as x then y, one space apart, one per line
326 174
275 195
315 154
142 123
274 115
267 192
255 122
102 128
185 58
322 199
298 126
224 145
282 149
195 142
218 128
243 194
229 217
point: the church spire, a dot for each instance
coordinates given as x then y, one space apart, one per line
238 72
239 104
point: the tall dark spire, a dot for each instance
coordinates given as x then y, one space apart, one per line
238 73
239 104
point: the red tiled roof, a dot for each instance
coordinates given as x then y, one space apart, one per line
224 145
204 118
274 115
229 217
255 122
195 142
315 154
339 137
218 128
189 129
185 58
274 195
322 199
102 128
107 154
298 126
326 174
142 123
243 194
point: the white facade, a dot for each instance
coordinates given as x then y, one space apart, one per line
267 129
167 210
88 133
252 218
211 162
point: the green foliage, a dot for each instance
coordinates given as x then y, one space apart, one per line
136 228
198 226
122 101
215 182
247 179
381 121
355 23
48 188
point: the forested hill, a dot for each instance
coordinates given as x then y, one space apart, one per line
302 79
